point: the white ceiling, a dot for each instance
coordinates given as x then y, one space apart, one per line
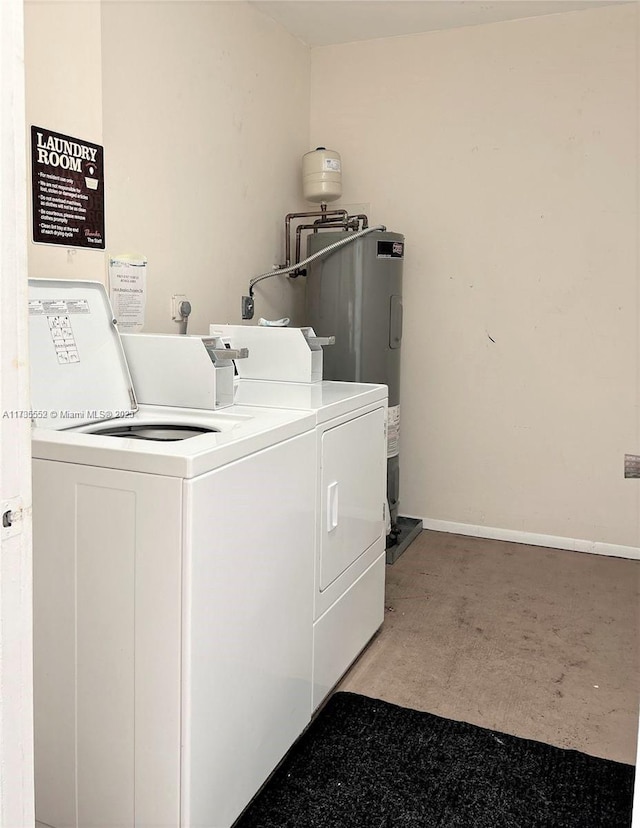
326 22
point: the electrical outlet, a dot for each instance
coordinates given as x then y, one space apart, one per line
176 300
632 465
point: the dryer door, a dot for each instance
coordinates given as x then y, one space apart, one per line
352 492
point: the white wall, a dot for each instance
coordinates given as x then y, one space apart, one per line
63 70
508 155
203 112
206 117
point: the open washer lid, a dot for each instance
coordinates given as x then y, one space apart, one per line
79 373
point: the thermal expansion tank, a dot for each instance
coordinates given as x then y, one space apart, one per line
355 294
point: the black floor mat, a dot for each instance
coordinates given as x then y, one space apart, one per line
365 763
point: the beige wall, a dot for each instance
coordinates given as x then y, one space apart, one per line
63 71
206 116
203 112
508 155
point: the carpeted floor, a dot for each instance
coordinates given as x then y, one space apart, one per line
365 763
540 643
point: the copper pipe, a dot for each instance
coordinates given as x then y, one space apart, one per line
287 226
363 218
317 225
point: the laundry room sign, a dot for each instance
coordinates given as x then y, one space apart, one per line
67 182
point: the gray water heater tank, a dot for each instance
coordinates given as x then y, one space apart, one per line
355 294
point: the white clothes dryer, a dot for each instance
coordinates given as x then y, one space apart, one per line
351 455
172 579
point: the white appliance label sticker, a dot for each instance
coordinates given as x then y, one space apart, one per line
57 307
54 306
393 431
331 165
128 291
63 340
77 306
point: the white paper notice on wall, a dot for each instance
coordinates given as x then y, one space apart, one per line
128 290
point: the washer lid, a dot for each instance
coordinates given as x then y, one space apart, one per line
79 373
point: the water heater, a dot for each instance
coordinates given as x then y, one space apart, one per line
355 294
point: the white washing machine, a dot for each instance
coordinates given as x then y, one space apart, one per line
173 623
351 450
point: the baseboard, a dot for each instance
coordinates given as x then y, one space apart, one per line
533 539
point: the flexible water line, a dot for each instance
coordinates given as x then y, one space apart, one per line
351 237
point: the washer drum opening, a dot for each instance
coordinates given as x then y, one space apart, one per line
157 431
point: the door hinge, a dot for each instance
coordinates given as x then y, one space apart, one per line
12 517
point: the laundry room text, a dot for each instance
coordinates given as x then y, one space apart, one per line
67 182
